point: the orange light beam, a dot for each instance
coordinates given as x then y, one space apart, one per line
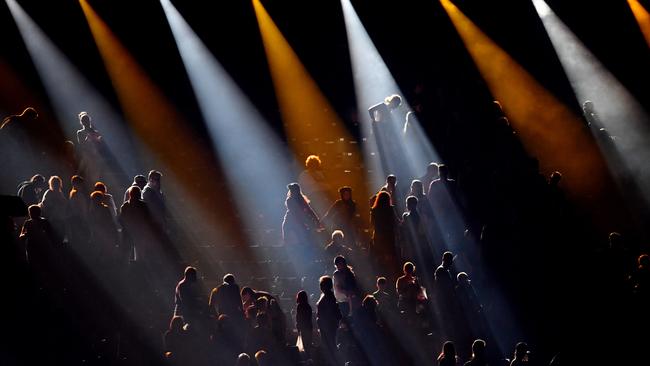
546 127
642 17
307 115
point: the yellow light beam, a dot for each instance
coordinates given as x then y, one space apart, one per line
546 127
306 113
642 17
159 125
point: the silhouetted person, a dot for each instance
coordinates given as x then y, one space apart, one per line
337 246
384 224
250 302
470 324
343 216
226 299
314 184
345 282
415 244
189 302
408 290
391 188
262 358
138 230
139 181
386 302
39 238
278 322
479 355
155 199
424 206
328 316
304 323
368 333
448 355
55 206
521 355
429 176
104 235
87 135
590 116
31 191
445 296
444 200
108 198
640 278
300 221
78 209
261 336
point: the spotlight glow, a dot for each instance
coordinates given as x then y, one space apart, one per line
642 17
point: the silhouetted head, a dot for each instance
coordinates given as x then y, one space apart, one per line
588 107
243 360
497 109
55 183
338 236
447 259
432 169
190 274
262 358
77 182
411 203
154 179
176 324
345 193
555 178
382 200
135 193
381 283
448 350
326 284
443 171
408 268
521 350
340 262
294 190
417 188
99 186
391 180
393 101
34 211
616 241
229 279
85 120
140 181
463 279
478 349
643 260
302 298
97 197
313 162
37 178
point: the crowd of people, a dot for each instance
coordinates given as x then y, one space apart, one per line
414 285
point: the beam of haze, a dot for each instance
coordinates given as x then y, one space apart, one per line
309 118
255 161
642 17
71 93
374 82
619 113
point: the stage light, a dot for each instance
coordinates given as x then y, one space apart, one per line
311 124
642 17
616 109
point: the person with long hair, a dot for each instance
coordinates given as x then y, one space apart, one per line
384 224
342 215
345 283
304 323
448 355
300 221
